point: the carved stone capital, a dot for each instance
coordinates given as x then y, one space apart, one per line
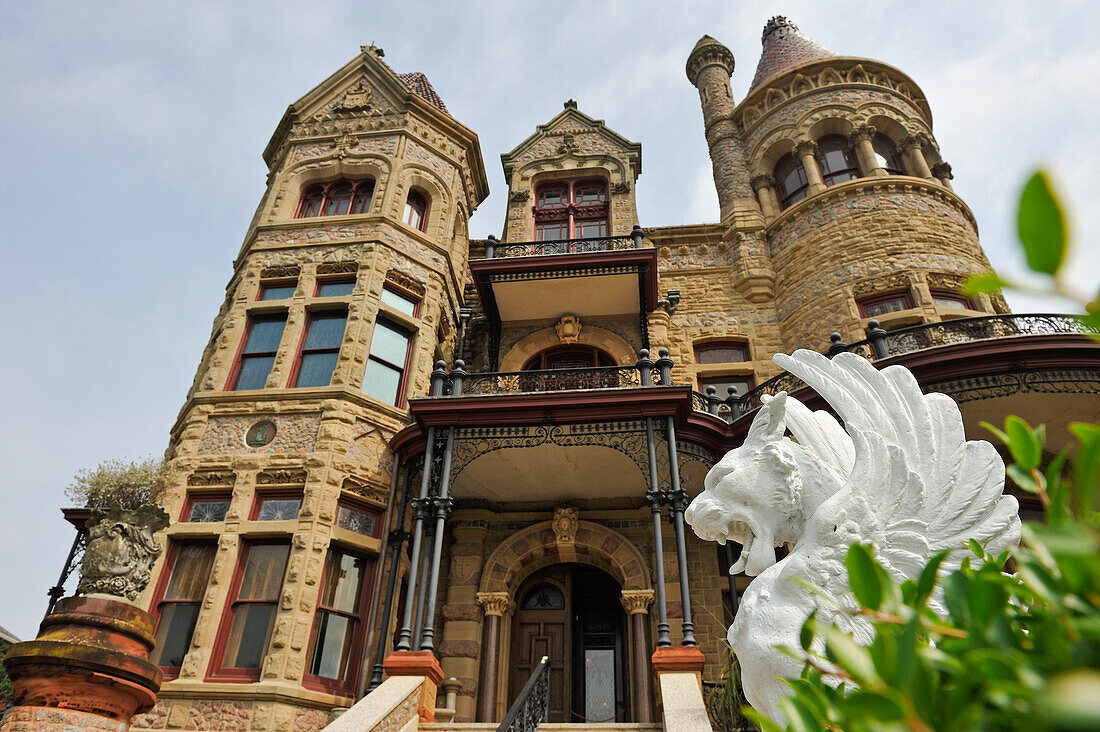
942 171
637 601
863 132
762 180
806 147
495 603
911 142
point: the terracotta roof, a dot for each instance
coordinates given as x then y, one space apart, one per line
419 84
785 47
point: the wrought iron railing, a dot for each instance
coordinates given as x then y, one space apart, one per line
882 343
494 249
532 706
521 382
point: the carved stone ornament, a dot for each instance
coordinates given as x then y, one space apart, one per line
568 329
565 525
942 171
637 601
495 603
806 147
121 551
911 142
903 478
568 144
519 196
761 181
620 186
358 97
863 132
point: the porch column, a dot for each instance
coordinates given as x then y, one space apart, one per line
656 498
861 139
678 502
636 603
495 604
442 505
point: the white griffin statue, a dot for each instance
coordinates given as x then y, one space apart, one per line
903 478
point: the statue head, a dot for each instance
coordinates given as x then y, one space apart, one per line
760 494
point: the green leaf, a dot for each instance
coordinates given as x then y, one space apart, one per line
1041 223
927 580
1022 477
983 283
873 705
1000 435
799 716
955 589
1023 442
1086 464
806 635
852 657
864 577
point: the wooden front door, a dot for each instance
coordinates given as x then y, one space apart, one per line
573 615
542 628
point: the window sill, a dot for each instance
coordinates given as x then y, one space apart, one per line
899 319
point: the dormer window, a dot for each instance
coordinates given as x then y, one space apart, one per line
416 210
338 198
571 209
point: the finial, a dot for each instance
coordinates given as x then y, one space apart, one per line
372 49
775 23
570 104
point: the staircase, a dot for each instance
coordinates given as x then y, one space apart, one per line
547 726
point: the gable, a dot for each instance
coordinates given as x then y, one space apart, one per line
573 133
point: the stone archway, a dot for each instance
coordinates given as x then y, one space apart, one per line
540 546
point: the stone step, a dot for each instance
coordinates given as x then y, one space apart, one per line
557 726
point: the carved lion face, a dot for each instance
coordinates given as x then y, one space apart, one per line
751 494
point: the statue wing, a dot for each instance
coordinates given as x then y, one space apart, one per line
917 485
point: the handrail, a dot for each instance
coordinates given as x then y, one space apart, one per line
495 249
539 380
532 706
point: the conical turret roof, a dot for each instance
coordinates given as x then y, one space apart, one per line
785 47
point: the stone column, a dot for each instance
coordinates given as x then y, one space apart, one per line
942 171
636 603
806 151
495 604
459 649
913 147
764 185
861 138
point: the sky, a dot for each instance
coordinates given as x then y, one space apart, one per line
130 166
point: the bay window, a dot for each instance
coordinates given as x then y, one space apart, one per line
180 600
257 356
389 353
337 198
253 602
338 627
320 348
571 209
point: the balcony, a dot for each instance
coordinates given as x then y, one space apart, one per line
544 280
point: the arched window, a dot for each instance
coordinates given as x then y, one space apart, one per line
569 357
337 198
416 210
887 155
543 597
837 160
790 177
572 209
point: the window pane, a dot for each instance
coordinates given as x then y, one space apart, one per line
591 228
208 510
389 344
335 289
326 329
343 582
265 333
599 685
721 353
553 231
381 381
555 197
544 597
277 292
399 302
263 573
253 372
190 573
887 306
316 369
950 301
249 636
355 520
174 630
333 646
590 193
363 196
338 199
278 509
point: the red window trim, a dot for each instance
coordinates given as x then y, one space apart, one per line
572 212
361 505
293 380
417 300
281 282
347 687
276 493
216 671
356 187
402 385
863 302
233 372
332 280
422 225
194 495
966 302
722 344
169 566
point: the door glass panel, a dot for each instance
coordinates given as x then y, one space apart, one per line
599 685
